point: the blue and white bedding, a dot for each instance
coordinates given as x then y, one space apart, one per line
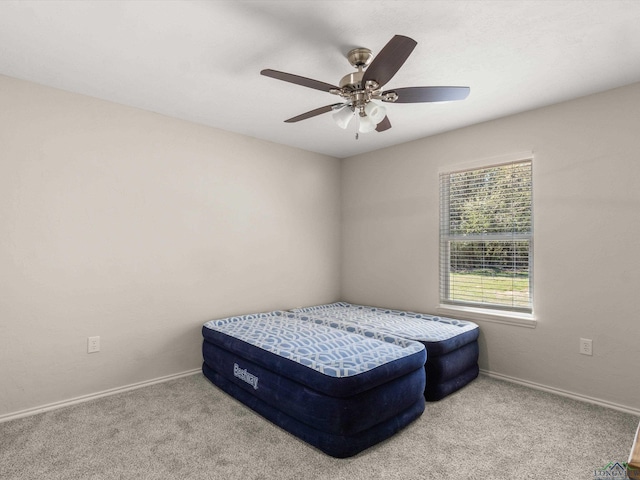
342 390
322 348
444 334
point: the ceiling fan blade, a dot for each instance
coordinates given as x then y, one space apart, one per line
385 124
298 80
385 65
313 113
428 94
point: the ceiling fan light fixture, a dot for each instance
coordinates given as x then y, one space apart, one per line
366 125
343 116
375 112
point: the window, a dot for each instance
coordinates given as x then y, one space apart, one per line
486 237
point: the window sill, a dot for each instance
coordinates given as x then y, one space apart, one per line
526 320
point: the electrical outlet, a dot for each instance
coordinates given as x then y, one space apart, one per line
93 344
586 346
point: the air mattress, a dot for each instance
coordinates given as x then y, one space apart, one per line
340 390
452 345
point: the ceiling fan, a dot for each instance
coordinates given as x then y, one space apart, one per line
359 89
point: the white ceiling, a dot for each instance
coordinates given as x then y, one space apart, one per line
200 60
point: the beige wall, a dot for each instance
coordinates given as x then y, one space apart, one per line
586 234
139 228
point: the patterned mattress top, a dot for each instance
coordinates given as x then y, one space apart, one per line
416 326
336 352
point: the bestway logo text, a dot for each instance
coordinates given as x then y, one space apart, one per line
245 376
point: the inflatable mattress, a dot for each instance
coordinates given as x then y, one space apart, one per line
340 390
452 345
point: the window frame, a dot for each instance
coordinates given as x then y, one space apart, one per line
479 310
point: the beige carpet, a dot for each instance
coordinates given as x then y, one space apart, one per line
188 429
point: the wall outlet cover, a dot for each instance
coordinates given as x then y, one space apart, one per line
586 346
93 344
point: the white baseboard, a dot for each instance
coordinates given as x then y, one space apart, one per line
85 398
564 393
92 396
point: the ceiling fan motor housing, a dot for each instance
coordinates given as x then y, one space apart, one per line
355 92
352 81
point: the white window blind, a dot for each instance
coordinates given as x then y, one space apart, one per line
486 237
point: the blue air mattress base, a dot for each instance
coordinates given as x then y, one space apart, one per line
336 445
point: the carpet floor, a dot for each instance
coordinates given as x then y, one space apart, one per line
189 429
